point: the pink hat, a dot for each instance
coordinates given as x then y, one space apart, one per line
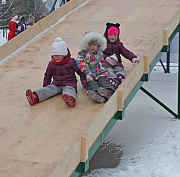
113 30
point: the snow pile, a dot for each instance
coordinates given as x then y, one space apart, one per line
160 158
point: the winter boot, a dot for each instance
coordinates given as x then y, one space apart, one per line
105 92
120 78
95 96
32 97
69 100
113 82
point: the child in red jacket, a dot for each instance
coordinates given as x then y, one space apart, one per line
113 53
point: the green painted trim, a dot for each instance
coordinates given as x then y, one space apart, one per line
81 168
145 77
165 48
119 115
84 166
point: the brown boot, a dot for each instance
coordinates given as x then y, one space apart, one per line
95 96
32 97
105 92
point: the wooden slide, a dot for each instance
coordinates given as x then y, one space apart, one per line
45 139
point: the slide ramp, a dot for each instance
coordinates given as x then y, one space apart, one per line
45 140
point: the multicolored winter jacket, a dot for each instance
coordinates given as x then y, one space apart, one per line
92 62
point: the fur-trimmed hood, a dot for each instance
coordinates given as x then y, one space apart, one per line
92 36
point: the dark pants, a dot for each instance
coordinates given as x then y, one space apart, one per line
101 82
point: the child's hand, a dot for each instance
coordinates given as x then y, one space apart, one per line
110 61
135 60
89 77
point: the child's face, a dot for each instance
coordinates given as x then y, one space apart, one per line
92 47
58 58
113 37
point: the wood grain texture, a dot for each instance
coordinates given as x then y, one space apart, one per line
45 140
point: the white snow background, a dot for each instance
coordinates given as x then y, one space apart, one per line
150 135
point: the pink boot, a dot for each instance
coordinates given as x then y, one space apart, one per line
69 100
113 82
32 97
120 78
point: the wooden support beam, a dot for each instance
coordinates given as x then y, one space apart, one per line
166 41
146 64
84 147
120 99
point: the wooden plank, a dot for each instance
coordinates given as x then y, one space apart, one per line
166 39
84 147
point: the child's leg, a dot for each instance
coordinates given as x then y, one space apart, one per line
49 91
92 92
69 95
93 85
106 89
112 78
120 73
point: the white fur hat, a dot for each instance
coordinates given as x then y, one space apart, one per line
59 47
92 36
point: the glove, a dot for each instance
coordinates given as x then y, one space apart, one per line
110 61
135 60
114 57
89 77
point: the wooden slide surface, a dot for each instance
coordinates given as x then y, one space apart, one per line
45 140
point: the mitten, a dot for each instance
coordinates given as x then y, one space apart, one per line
110 61
114 57
135 60
89 77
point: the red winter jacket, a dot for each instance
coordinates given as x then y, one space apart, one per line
12 30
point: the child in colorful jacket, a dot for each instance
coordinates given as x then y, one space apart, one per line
62 69
91 61
113 53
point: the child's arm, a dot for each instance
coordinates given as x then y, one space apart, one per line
84 67
78 71
125 52
48 75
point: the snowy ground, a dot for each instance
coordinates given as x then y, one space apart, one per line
2 40
149 135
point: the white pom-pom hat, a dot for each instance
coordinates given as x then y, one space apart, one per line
92 36
59 47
